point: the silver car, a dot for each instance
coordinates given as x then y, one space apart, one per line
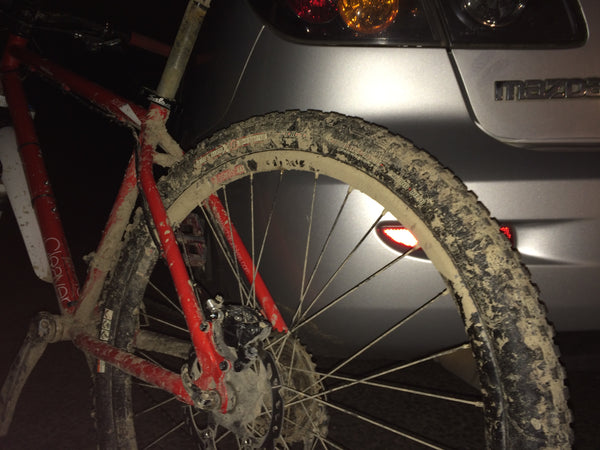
410 322
511 109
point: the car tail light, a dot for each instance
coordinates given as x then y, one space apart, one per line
368 16
513 23
495 13
429 23
352 22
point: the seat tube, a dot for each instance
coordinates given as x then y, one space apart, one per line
212 363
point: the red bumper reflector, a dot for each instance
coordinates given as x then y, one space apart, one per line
399 235
402 239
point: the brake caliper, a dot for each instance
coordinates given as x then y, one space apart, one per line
240 328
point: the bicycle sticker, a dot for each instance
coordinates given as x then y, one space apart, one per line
228 174
128 111
215 153
105 335
55 251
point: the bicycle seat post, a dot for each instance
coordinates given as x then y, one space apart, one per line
182 48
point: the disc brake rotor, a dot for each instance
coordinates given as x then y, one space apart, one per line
254 413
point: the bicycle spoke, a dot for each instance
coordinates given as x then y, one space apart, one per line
223 436
146 385
232 243
269 220
226 252
165 435
373 422
322 439
292 359
281 344
390 331
324 247
165 297
187 259
319 436
338 270
398 368
348 292
252 235
307 246
169 324
153 407
409 390
152 360
381 336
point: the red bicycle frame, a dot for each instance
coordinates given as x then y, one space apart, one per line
78 308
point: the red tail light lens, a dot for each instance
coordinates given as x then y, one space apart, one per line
314 11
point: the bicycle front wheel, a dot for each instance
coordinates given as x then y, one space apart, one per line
444 345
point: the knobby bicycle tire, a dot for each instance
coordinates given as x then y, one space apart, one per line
522 396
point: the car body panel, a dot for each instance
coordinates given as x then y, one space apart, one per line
549 197
544 123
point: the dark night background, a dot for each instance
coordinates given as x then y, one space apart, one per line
86 156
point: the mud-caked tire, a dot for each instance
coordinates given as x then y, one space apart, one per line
522 398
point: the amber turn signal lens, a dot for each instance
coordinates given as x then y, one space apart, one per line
368 16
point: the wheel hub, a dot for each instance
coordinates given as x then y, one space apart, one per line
255 410
255 413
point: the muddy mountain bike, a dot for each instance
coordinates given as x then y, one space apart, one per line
242 300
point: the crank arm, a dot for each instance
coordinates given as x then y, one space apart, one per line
45 328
